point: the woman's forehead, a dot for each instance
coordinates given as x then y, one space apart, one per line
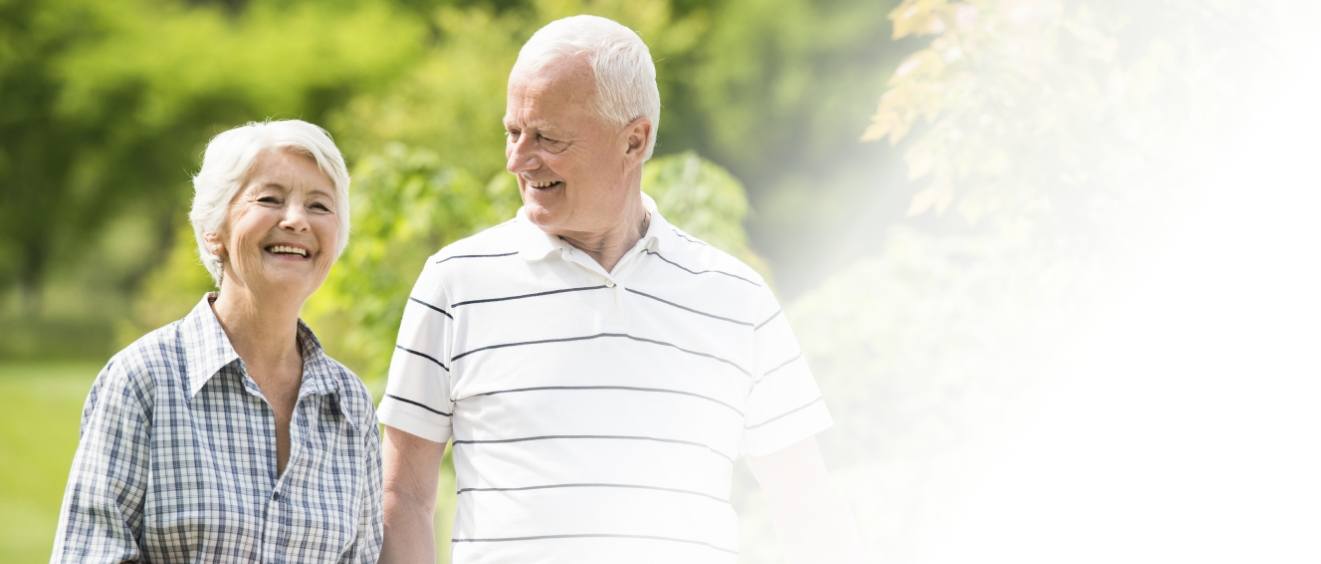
287 168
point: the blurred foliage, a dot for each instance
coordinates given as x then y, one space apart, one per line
1037 137
169 292
107 106
452 102
1047 108
775 92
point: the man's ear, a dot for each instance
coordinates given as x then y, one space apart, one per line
637 134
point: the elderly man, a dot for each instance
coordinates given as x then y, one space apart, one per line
597 370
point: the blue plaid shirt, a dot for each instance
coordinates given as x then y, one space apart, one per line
177 459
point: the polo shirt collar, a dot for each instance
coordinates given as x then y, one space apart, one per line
207 350
534 244
661 235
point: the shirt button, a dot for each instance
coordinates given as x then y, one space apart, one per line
275 496
609 283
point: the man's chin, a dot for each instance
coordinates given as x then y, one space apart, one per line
540 216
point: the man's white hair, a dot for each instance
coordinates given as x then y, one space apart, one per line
228 161
621 63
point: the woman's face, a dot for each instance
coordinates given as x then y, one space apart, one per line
280 235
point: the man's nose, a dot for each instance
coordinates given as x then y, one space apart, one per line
521 157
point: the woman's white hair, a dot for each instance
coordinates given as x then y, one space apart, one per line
228 160
621 63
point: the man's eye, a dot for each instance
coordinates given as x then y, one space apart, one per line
554 145
511 135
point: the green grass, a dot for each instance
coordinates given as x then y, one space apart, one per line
38 435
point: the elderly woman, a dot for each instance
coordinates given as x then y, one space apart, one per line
229 435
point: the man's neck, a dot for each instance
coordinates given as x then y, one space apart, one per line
608 248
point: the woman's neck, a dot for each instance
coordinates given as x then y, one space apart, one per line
263 334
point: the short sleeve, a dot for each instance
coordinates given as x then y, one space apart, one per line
417 394
101 515
785 405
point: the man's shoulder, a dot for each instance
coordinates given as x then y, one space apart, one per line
480 257
493 242
696 255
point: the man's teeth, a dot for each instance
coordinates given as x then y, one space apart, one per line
547 184
287 250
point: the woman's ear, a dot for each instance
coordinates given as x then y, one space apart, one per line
214 244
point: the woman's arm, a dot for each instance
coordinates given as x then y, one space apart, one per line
101 516
367 545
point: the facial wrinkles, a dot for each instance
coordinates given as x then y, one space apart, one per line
282 204
556 100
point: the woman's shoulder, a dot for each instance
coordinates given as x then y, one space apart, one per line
135 372
149 354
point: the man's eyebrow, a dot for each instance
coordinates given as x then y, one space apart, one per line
538 125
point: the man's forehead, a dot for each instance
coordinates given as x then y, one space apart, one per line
571 78
564 66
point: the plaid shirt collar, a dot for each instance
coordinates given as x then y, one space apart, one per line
535 244
207 351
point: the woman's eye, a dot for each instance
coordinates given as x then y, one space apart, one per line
268 200
320 207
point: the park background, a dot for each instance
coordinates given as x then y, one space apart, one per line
1050 260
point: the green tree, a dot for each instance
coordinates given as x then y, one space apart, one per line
108 106
452 102
774 91
1042 144
1054 110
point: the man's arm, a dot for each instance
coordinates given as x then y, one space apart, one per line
812 520
411 466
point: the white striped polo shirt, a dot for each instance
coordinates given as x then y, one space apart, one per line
596 416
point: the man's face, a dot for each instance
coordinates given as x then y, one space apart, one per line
572 165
